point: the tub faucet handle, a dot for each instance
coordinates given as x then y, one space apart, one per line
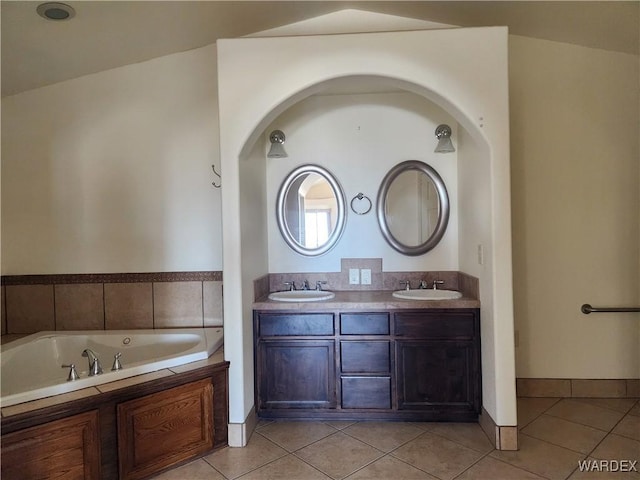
73 375
116 362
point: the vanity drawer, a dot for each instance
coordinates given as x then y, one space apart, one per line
442 324
294 324
364 323
366 392
365 357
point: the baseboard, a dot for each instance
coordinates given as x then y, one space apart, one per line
502 437
578 387
240 433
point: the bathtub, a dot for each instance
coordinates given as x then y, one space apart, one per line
31 367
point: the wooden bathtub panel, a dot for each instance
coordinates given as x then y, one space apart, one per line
66 449
165 428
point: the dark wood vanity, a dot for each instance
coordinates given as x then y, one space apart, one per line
330 361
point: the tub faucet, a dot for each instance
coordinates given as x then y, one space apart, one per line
94 363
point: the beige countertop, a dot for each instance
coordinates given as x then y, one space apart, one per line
364 300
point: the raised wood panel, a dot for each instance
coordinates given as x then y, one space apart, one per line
164 428
431 325
364 323
296 374
365 356
366 392
435 374
66 449
294 324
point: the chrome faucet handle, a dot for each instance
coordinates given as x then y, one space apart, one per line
305 285
319 284
423 285
291 286
73 375
406 283
116 362
436 283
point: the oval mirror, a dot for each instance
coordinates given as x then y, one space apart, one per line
311 210
412 207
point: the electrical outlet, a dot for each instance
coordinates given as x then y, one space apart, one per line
480 254
354 276
365 276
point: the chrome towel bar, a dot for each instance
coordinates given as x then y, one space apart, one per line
587 309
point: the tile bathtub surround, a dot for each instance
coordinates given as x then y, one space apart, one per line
3 315
29 308
128 305
79 306
35 303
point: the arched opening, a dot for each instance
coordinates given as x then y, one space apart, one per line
472 92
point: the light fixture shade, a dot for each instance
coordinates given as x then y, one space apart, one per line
443 134
277 139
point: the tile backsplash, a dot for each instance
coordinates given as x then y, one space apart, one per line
32 303
380 280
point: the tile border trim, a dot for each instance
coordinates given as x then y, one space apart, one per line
74 278
578 387
502 437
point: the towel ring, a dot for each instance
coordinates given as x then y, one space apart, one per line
361 196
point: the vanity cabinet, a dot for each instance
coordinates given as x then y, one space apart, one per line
398 364
295 361
438 362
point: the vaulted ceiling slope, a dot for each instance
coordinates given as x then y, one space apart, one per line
108 34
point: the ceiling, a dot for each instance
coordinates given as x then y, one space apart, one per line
108 34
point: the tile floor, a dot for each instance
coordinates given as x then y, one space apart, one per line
555 434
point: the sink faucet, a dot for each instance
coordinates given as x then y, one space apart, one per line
436 283
423 285
94 363
319 284
291 286
305 285
406 283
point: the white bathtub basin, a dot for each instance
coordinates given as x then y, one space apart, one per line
301 296
427 294
32 366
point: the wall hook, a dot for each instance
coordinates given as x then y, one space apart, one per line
213 167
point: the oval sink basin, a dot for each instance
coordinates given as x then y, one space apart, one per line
427 294
301 296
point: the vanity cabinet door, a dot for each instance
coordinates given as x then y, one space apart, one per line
296 374
438 362
437 375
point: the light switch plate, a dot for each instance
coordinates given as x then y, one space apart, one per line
365 276
354 276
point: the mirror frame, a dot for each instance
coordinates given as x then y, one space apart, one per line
280 210
443 214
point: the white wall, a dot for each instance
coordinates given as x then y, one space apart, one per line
576 201
359 138
111 172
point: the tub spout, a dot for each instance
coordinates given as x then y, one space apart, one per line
94 363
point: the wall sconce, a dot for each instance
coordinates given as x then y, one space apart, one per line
443 134
277 140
